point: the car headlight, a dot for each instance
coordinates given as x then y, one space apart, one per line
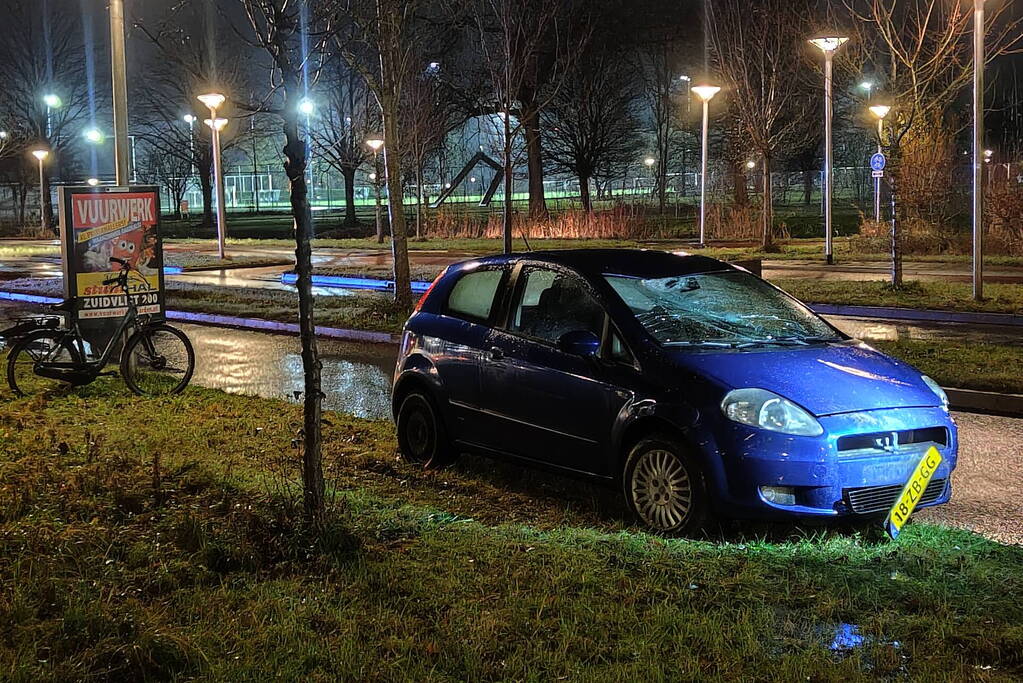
936 388
767 410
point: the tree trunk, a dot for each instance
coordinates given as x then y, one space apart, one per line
206 186
584 193
534 153
387 13
740 193
349 175
767 219
506 210
896 240
295 167
419 199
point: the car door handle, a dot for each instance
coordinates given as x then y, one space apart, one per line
495 353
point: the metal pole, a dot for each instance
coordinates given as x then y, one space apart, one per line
218 175
376 191
42 199
120 90
877 181
978 150
703 177
255 166
134 161
828 253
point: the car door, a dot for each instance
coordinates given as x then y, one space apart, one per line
545 404
457 350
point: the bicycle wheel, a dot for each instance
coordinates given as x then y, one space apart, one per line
38 347
157 360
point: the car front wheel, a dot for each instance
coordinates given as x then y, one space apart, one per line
421 435
664 486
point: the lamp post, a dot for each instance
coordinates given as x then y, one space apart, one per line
978 144
214 101
869 87
705 93
375 143
95 136
52 102
879 111
190 120
41 155
828 45
119 82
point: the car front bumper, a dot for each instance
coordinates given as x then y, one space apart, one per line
828 479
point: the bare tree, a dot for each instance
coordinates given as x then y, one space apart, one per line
429 113
758 50
921 52
526 47
340 133
171 172
42 54
592 124
189 61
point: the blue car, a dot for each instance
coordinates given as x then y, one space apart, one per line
698 388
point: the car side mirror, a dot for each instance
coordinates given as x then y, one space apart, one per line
579 343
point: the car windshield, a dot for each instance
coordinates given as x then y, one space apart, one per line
730 309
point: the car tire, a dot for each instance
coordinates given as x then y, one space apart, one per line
665 487
422 438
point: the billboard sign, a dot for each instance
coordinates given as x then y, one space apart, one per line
97 223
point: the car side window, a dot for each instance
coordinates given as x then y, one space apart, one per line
553 303
472 297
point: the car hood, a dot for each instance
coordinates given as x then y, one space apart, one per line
825 379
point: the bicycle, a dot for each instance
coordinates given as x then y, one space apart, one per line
157 359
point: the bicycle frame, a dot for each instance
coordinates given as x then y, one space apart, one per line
128 320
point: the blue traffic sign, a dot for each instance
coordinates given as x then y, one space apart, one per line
877 162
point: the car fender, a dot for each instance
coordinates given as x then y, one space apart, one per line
417 368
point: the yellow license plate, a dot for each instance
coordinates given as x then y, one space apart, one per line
912 492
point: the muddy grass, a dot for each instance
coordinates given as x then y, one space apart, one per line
159 539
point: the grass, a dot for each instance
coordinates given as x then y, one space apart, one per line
201 261
943 296
973 365
144 539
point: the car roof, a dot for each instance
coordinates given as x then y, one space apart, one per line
646 263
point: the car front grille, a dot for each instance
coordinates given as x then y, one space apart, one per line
892 442
870 499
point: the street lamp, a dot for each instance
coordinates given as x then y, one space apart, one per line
306 106
828 45
978 142
190 120
92 182
52 102
41 155
376 143
705 93
879 111
868 86
214 101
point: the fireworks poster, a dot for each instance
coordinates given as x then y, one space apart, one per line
100 223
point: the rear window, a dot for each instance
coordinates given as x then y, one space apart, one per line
472 297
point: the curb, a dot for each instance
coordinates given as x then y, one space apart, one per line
920 315
990 402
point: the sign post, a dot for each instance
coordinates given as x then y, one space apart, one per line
97 223
877 164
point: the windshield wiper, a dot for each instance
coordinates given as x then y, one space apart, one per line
705 344
785 341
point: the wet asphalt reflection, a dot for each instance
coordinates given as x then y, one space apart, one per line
356 376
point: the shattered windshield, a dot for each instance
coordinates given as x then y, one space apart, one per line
731 309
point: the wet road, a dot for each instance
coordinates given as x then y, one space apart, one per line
988 493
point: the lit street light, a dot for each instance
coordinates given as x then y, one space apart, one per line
96 136
828 45
52 102
190 120
41 155
868 86
375 143
978 143
879 111
92 182
214 101
705 93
